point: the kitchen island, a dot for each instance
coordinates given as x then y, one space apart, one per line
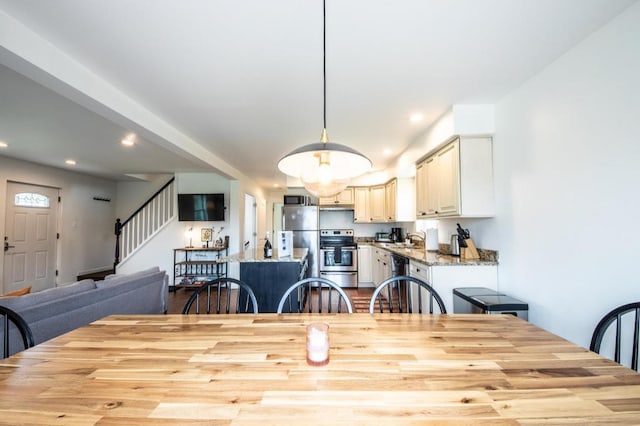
270 277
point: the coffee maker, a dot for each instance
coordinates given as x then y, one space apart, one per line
396 235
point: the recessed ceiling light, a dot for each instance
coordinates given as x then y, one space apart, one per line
129 140
416 117
70 162
3 144
387 151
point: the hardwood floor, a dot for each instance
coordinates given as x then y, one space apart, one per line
359 296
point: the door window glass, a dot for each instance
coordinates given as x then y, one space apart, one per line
31 199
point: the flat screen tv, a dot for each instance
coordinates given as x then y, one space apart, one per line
200 207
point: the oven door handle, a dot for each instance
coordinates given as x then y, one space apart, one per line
339 273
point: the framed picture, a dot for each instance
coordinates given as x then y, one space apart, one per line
206 234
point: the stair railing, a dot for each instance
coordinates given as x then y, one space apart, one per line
144 222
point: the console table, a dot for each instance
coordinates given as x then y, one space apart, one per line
193 266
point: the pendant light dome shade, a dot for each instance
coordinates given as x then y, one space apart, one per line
322 161
324 167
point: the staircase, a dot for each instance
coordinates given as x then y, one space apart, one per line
145 222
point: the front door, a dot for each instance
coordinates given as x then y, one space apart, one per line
30 241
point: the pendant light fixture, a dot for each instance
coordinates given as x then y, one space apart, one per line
324 167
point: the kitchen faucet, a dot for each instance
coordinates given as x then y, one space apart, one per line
419 234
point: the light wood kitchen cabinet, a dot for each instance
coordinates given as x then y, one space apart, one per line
421 189
390 195
343 198
400 200
381 265
448 179
389 202
445 278
431 185
377 203
457 180
365 263
361 211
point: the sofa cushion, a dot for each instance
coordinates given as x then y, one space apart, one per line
44 296
20 292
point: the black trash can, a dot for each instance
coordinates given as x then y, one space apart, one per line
482 300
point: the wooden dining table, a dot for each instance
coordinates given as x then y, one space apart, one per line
389 369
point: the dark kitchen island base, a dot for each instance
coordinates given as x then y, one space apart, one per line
270 278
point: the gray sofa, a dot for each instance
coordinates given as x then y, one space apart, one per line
56 311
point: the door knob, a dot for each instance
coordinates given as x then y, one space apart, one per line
7 246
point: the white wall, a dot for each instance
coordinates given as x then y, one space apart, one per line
566 161
87 241
131 194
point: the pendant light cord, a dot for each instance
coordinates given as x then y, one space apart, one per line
324 62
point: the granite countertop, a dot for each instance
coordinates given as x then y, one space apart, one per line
429 258
257 255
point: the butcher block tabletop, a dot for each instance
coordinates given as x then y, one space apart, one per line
251 370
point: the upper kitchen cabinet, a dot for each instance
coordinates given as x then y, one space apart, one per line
456 180
361 210
377 203
344 198
389 202
399 200
390 192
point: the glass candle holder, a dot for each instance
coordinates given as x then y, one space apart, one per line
318 344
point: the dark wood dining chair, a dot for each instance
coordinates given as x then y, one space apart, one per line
405 294
315 295
223 296
630 314
12 322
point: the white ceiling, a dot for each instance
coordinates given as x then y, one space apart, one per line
243 78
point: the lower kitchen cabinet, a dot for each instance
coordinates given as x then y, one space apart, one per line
365 271
445 278
381 265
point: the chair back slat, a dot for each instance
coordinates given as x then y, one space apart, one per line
329 297
225 295
407 297
636 332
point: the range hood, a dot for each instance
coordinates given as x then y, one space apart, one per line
337 207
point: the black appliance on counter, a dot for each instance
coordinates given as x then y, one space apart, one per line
339 257
396 235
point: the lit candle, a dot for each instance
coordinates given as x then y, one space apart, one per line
317 344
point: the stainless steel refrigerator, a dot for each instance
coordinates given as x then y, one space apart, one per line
304 221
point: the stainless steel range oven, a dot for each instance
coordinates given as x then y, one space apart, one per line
339 257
